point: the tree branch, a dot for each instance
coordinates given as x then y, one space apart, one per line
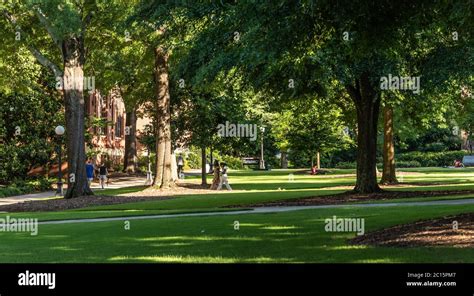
45 61
44 21
86 22
353 92
36 53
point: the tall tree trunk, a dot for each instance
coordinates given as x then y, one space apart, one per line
73 57
211 162
388 174
130 158
203 166
163 120
318 160
367 102
284 160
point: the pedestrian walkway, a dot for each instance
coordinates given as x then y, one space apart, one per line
26 197
119 182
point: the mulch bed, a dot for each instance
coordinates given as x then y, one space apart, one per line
60 204
437 232
348 197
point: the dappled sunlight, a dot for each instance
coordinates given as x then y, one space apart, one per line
171 245
52 236
277 227
194 259
248 225
287 233
346 247
266 226
380 260
200 238
64 248
340 236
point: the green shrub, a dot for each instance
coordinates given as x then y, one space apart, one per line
142 162
408 164
431 159
10 191
41 184
346 165
233 162
19 187
192 160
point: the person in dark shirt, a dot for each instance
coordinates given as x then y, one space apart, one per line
180 163
103 175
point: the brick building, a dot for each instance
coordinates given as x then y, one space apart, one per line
109 142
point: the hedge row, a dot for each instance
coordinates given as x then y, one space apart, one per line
431 159
416 159
26 187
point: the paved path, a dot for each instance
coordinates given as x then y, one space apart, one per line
26 197
119 182
267 210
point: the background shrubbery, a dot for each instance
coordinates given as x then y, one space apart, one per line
415 159
345 165
430 159
192 159
19 187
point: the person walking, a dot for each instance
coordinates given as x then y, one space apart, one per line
103 175
216 172
224 179
90 171
180 164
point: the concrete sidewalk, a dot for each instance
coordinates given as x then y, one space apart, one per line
115 183
26 197
120 182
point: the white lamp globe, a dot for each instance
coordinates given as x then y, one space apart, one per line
59 130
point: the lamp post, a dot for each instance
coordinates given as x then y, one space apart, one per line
262 161
59 130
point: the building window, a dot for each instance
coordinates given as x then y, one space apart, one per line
118 126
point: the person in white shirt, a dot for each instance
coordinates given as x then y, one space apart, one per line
224 179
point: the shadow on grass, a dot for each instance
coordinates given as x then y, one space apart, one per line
289 237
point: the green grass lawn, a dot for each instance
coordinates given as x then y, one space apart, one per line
262 186
284 237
